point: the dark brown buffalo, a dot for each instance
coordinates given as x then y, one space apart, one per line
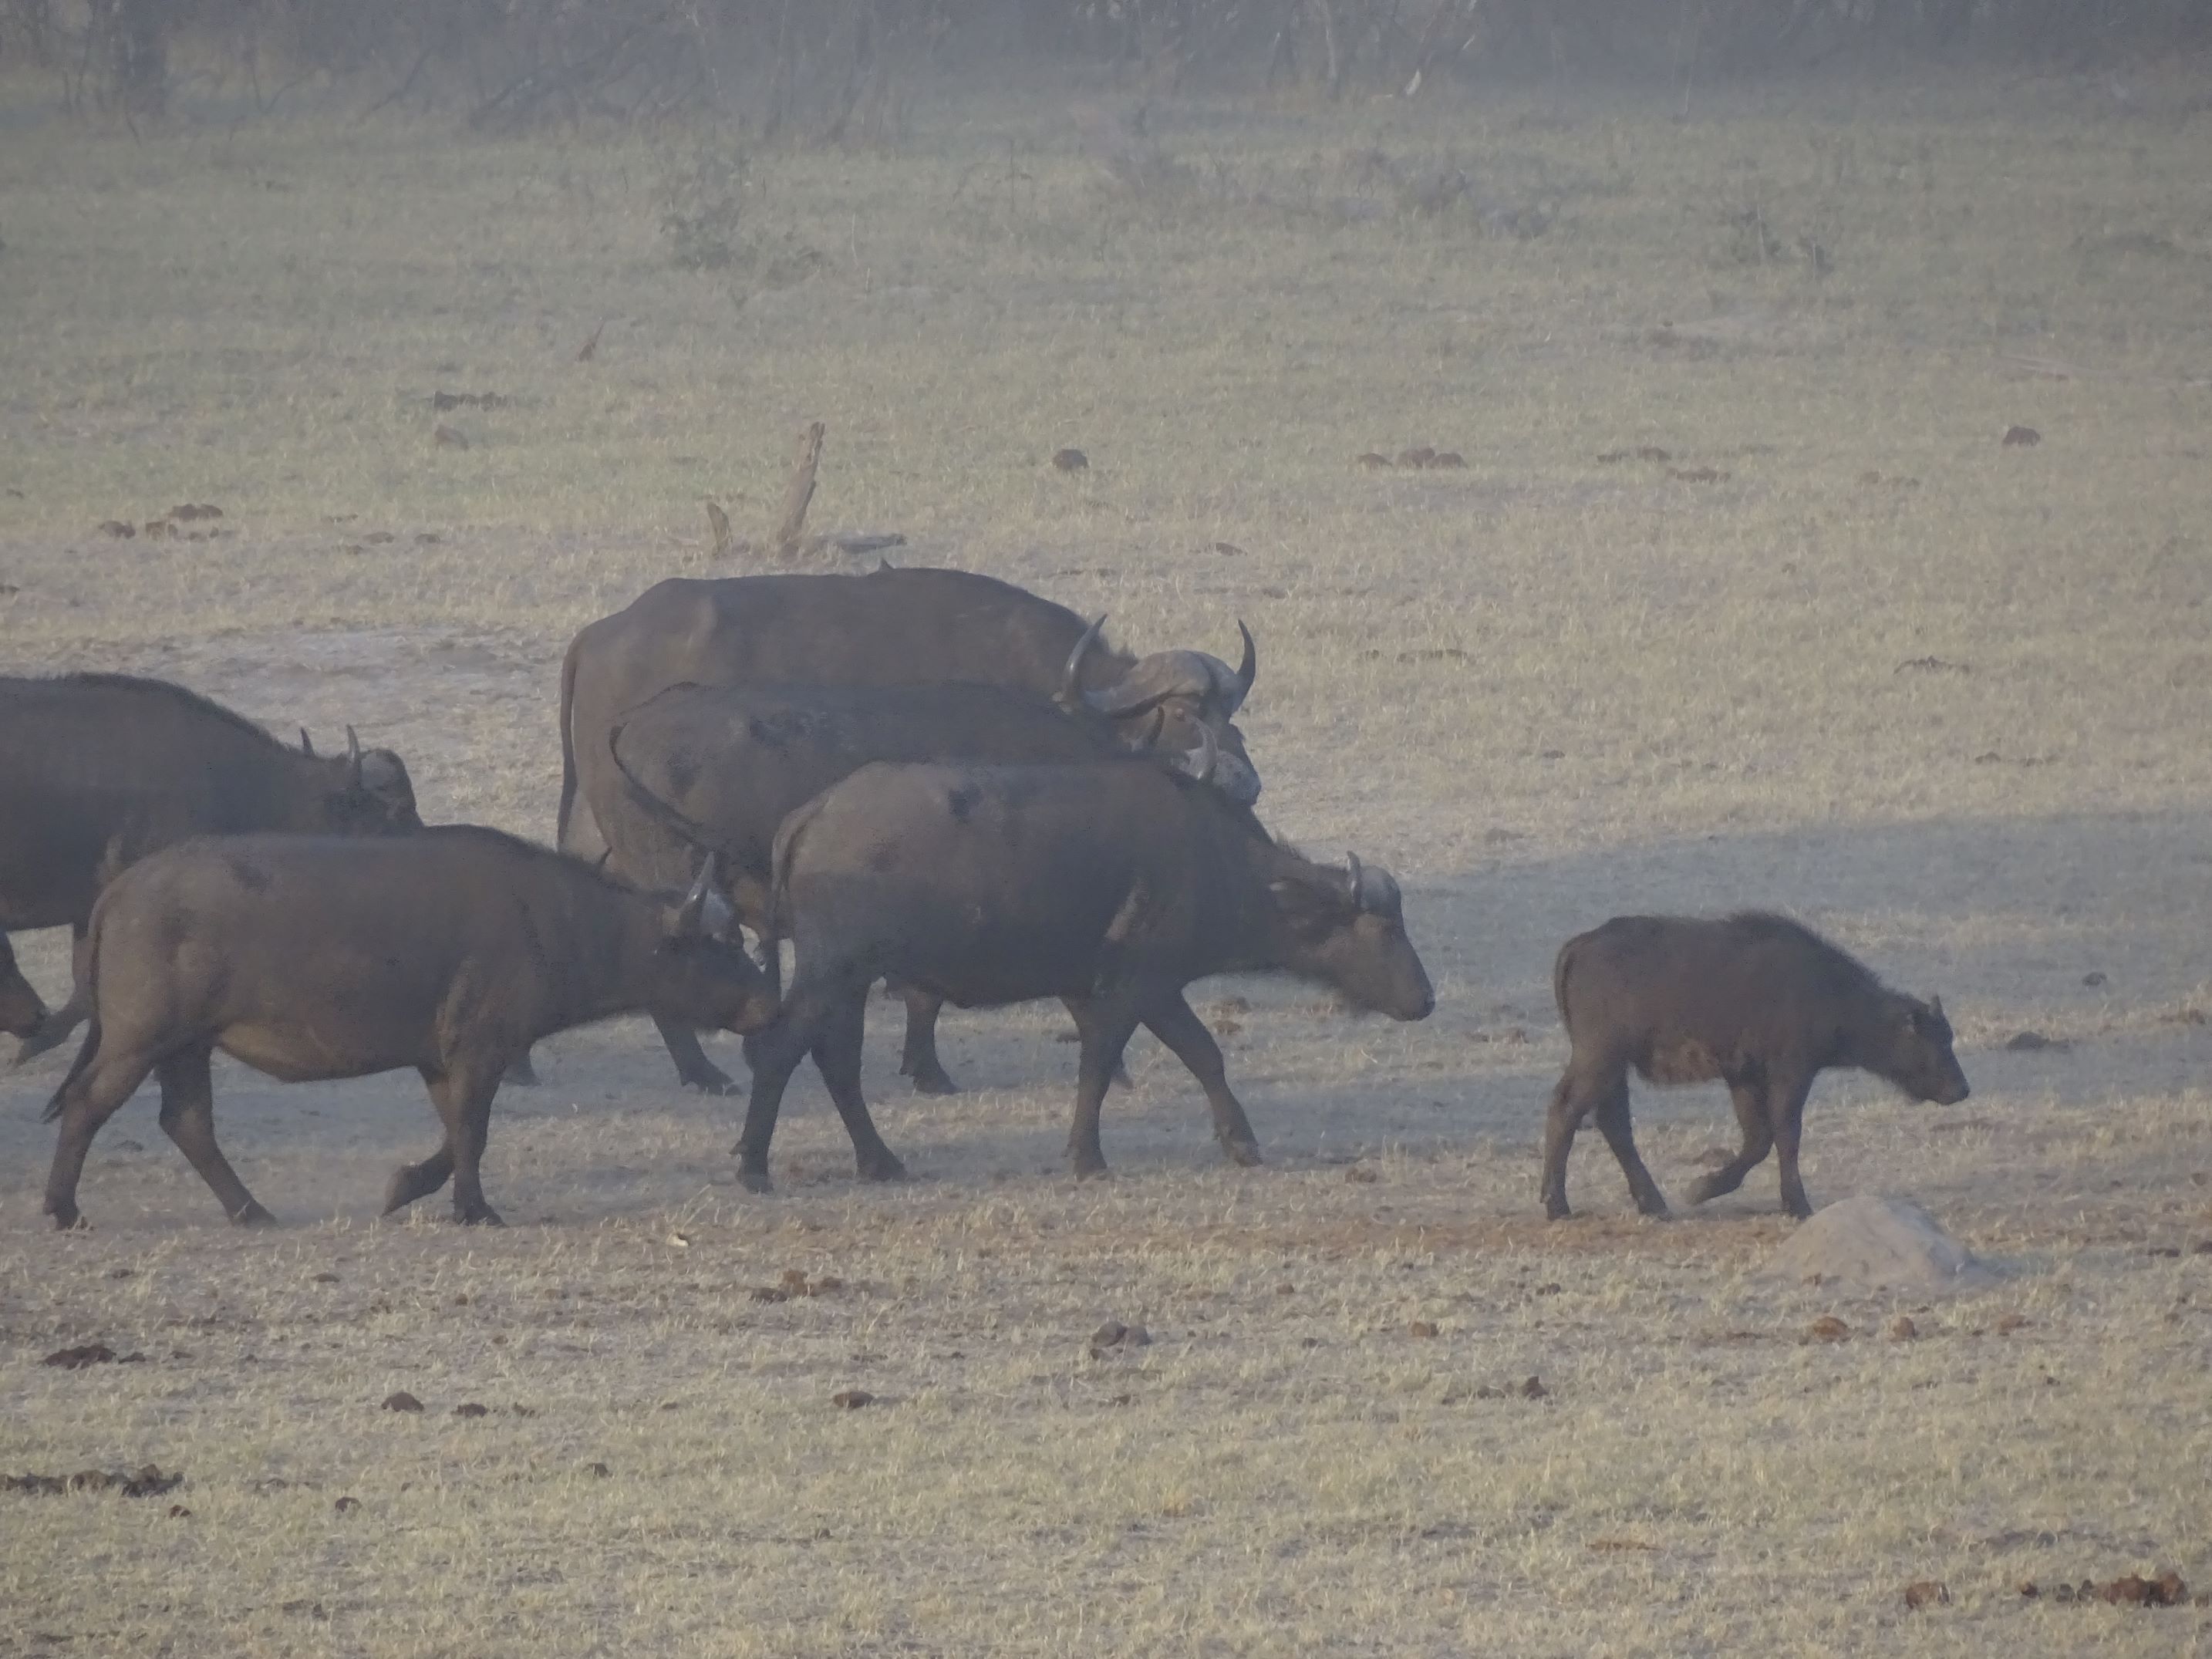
22 1013
451 950
1756 1001
721 767
888 627
98 770
1110 885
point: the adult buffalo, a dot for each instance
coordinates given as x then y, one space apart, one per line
720 767
312 957
1110 885
98 770
915 627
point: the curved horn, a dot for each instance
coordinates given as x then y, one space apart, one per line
1246 670
1071 685
353 755
1152 736
306 744
686 828
1358 881
1208 752
695 902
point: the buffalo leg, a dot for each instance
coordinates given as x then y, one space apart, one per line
1612 1114
1174 1024
1106 1027
87 1100
1569 1102
412 1180
1751 1116
836 1050
188 1119
1785 1112
918 1059
53 1030
692 1068
464 1103
774 1053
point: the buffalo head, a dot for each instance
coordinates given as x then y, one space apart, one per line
370 792
1349 931
1915 1051
1181 692
704 978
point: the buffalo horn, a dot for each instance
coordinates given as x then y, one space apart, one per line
1935 1006
1153 735
1208 752
695 902
1356 878
1071 685
353 755
686 828
306 744
1247 670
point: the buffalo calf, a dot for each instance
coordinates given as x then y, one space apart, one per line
1758 1002
450 951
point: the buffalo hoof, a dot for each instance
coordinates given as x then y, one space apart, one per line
931 1078
1555 1209
753 1177
1245 1152
1087 1166
885 1167
253 1216
66 1217
483 1216
711 1081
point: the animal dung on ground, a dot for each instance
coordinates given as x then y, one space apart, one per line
1422 1327
1926 1593
401 1401
1827 1328
117 528
1866 1241
346 1506
472 1408
1070 460
1114 1334
851 1400
2021 437
2030 1042
598 1471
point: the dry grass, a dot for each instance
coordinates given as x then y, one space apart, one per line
1545 688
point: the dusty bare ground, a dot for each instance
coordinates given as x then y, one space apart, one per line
1945 699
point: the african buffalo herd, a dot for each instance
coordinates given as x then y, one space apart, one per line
926 777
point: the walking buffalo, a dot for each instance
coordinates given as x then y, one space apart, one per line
1756 1001
307 957
1110 885
722 766
98 770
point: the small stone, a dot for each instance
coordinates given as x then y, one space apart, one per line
1902 1329
346 1506
401 1401
1110 1335
1827 1328
2094 979
2021 437
1926 1593
598 1471
1070 460
1423 1327
852 1400
326 1278
179 1512
1533 1388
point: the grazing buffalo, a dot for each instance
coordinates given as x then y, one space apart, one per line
1110 885
887 628
22 1013
98 770
307 957
1756 1001
733 761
